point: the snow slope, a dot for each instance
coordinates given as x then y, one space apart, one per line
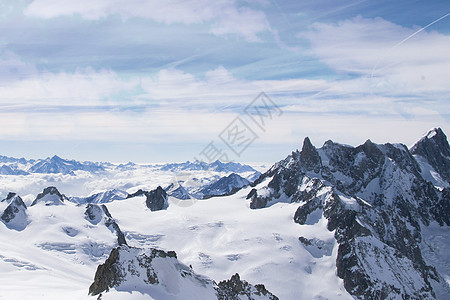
222 236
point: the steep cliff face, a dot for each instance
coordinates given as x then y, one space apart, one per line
379 205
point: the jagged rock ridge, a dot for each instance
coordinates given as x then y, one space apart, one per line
157 272
378 203
95 214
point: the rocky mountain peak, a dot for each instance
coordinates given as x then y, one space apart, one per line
50 196
10 196
434 148
309 157
15 215
376 201
156 199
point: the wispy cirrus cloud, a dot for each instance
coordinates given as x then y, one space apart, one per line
371 48
224 17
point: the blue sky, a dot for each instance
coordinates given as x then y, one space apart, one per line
152 81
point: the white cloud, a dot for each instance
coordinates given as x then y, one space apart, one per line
83 87
175 106
224 16
365 46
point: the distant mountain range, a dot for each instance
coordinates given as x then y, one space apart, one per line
216 166
56 164
50 165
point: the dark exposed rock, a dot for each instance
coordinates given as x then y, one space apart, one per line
108 274
258 202
9 197
309 157
252 193
112 225
139 192
115 269
156 199
305 241
15 214
13 208
129 263
235 289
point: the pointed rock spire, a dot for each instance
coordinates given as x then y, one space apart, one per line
309 157
435 149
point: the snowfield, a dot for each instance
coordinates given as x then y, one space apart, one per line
58 252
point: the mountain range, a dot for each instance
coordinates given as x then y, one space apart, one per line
56 164
336 222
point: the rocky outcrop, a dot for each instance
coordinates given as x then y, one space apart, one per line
156 199
236 289
15 215
135 264
10 196
157 272
377 201
138 193
50 196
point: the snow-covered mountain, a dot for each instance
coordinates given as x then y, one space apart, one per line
56 164
15 214
222 186
216 166
336 222
433 157
176 190
8 170
50 165
384 214
101 197
50 196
